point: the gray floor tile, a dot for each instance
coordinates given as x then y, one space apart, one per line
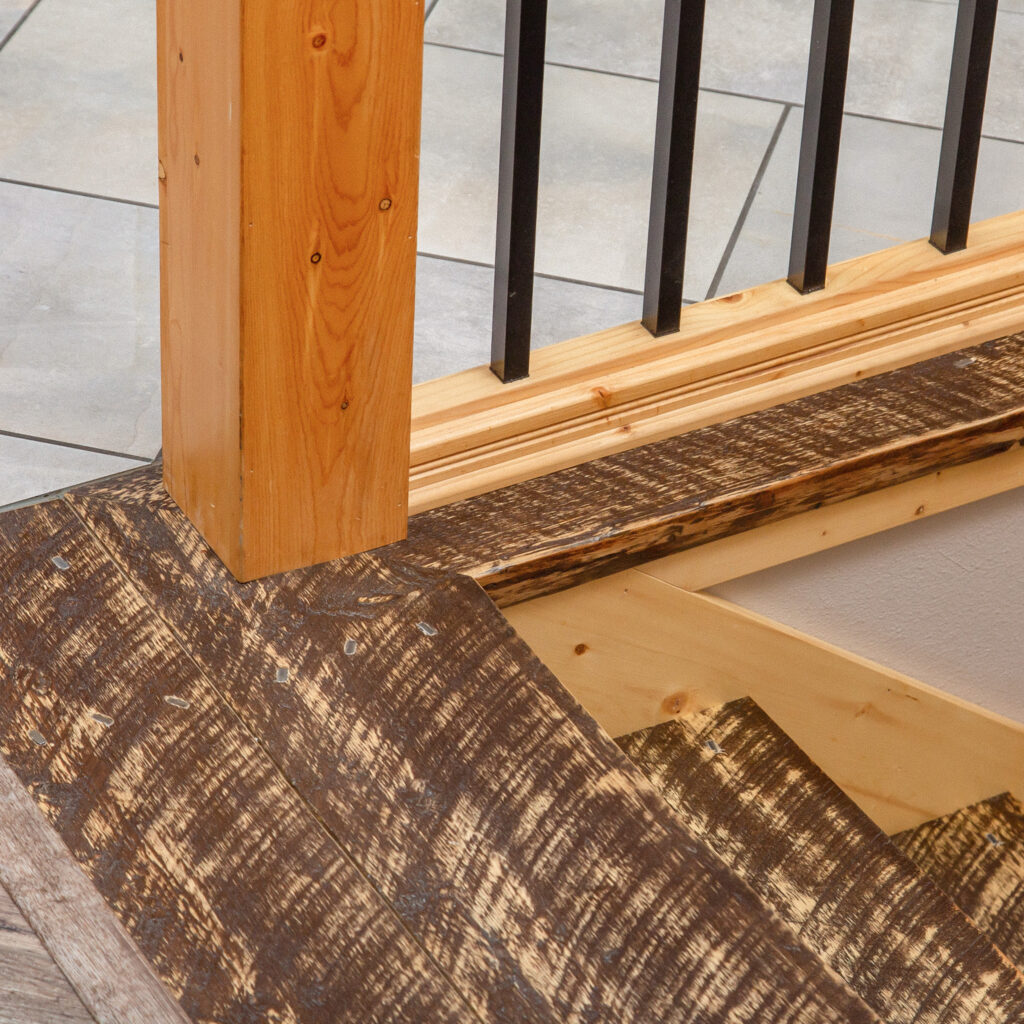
899 61
78 98
623 36
595 174
883 195
10 12
79 335
898 68
453 315
31 468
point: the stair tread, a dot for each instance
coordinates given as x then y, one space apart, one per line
977 856
365 832
807 850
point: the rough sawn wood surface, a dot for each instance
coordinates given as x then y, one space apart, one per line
32 988
977 856
742 785
607 515
513 840
352 793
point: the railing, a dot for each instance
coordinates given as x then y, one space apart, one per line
288 217
673 159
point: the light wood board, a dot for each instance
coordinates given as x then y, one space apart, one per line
32 988
621 388
289 147
635 651
88 944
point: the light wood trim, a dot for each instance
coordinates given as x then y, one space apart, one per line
618 389
635 651
823 528
104 966
289 154
198 71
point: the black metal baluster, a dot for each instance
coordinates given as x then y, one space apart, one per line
673 164
819 148
518 178
961 136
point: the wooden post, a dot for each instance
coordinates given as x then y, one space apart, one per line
289 146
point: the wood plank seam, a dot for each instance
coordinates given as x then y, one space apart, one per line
422 713
33 988
258 740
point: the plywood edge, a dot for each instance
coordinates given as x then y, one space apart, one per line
621 388
635 650
104 966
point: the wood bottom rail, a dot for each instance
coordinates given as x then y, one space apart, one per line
726 479
619 389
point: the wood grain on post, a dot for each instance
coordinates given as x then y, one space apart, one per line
289 139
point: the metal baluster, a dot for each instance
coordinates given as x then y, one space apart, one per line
673 164
961 135
819 148
518 178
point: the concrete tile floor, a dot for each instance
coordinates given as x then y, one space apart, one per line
79 387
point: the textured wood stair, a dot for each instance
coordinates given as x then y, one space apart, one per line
743 787
353 794
977 856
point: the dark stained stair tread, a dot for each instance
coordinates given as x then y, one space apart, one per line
977 856
352 793
554 531
558 530
740 784
246 907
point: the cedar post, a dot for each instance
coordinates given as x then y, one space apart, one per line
289 146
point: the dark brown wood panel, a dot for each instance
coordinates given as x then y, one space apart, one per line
742 785
512 837
32 988
977 856
604 516
247 908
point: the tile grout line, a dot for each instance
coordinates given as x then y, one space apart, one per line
145 460
792 104
547 277
430 10
21 21
76 192
748 204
